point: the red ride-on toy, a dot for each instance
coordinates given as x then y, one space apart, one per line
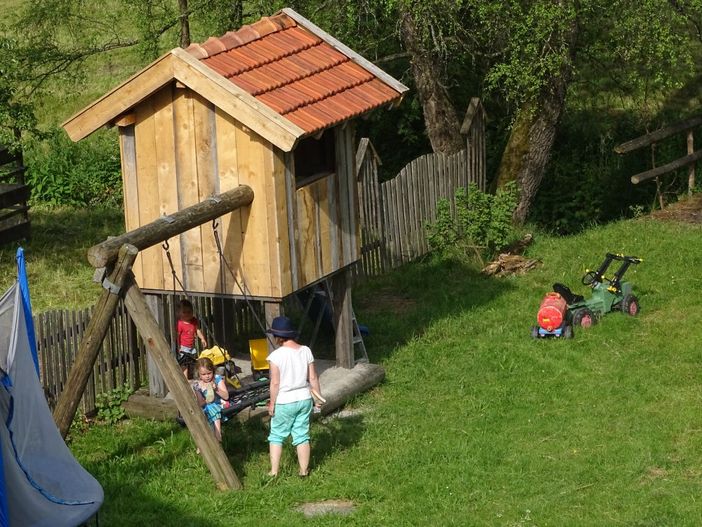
562 309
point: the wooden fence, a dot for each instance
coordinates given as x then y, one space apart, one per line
122 357
394 213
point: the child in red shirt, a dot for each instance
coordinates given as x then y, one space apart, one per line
187 329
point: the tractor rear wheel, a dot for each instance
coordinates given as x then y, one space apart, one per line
629 305
535 332
584 318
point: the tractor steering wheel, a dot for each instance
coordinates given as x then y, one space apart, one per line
589 278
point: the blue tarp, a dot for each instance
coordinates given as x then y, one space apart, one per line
24 288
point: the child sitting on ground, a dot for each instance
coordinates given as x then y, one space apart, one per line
212 394
187 329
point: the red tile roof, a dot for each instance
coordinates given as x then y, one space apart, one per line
295 72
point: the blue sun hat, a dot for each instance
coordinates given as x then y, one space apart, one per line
282 327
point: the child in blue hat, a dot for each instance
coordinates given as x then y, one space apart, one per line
292 376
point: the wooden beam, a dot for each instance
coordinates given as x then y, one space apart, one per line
168 226
664 169
475 107
691 168
211 450
653 137
341 298
92 340
120 99
125 119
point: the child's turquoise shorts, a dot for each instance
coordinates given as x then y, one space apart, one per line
291 418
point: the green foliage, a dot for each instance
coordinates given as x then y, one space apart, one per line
109 404
63 173
15 113
482 222
586 183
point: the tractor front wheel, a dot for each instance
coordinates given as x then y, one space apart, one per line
568 332
630 305
584 318
535 332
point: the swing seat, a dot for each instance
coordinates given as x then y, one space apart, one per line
248 396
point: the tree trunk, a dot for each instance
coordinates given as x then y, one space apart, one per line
440 118
184 23
530 143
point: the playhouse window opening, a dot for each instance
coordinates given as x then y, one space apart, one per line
315 158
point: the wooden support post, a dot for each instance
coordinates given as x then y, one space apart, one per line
168 226
271 310
691 169
157 386
341 297
215 458
92 340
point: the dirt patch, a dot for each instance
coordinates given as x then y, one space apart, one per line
319 508
654 473
687 210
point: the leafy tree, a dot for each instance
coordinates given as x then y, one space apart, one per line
15 114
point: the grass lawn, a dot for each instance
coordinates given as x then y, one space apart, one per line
60 276
476 423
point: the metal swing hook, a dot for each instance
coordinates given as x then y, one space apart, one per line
165 246
214 224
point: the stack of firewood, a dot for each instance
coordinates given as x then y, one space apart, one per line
510 261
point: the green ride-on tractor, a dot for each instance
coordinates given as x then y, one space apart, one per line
562 310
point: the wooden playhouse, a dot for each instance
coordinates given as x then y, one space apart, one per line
270 106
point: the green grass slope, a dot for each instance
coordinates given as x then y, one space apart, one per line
476 423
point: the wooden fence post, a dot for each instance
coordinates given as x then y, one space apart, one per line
157 386
691 169
92 340
215 458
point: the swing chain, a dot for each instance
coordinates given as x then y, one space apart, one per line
223 260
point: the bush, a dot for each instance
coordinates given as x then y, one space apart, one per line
109 404
82 174
482 223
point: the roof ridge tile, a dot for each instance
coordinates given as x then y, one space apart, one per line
244 35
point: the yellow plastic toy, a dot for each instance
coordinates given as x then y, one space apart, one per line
220 357
258 348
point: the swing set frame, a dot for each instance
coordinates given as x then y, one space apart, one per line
115 257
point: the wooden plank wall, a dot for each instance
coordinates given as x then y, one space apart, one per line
181 150
325 228
394 213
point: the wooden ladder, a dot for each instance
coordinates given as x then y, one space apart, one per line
323 293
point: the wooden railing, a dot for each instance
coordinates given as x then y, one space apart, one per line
651 140
14 194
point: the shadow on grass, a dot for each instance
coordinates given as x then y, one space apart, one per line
135 463
403 304
331 435
67 230
242 441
